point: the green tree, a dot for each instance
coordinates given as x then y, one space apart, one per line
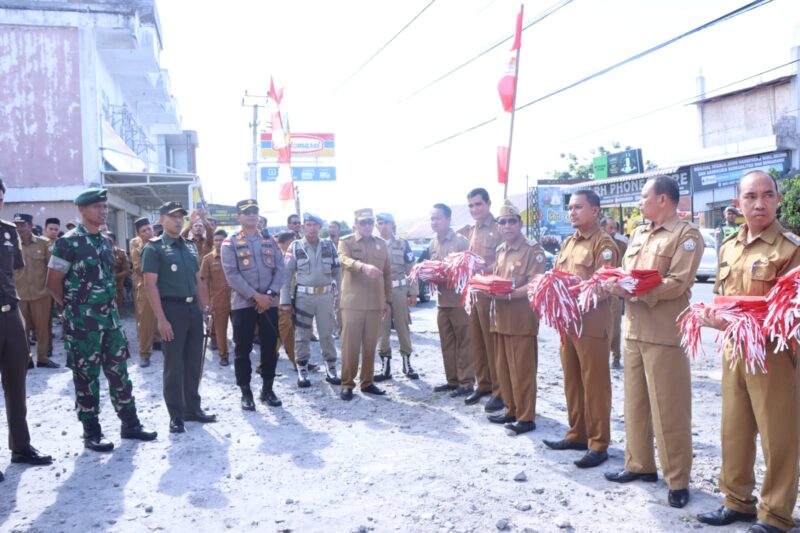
581 167
790 205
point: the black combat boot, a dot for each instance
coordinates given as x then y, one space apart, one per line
330 374
93 437
302 376
268 396
386 369
132 429
408 370
248 404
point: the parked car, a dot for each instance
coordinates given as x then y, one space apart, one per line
421 254
708 264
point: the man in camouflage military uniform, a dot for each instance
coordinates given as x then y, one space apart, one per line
404 295
81 279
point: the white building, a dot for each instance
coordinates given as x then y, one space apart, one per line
85 102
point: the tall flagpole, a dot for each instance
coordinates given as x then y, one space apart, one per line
513 112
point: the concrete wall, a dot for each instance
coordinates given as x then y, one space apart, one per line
40 107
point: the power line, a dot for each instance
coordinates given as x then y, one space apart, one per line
676 103
382 48
744 9
538 18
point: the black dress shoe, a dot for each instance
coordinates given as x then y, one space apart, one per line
444 388
346 394
97 442
592 459
223 361
724 516
501 419
519 428
565 444
475 397
460 391
200 416
372 389
144 362
176 425
763 527
31 456
494 404
248 404
678 498
137 432
48 364
625 476
270 398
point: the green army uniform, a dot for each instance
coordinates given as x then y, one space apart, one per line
93 332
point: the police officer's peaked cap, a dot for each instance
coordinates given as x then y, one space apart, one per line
384 217
91 196
244 205
139 222
364 214
731 209
313 218
23 217
172 208
52 221
508 209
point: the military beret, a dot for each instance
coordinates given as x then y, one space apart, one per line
140 222
91 196
172 208
731 209
384 217
23 217
313 218
245 205
52 221
508 209
364 214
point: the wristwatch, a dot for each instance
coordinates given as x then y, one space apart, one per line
270 292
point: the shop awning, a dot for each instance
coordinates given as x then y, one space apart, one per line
152 189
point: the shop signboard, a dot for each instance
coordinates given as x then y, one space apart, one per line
628 191
553 219
717 174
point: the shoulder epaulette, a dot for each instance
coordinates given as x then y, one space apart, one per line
154 239
345 238
791 237
736 234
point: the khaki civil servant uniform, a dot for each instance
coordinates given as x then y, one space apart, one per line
452 319
617 306
362 302
765 404
587 380
484 240
658 389
402 259
122 269
515 328
220 294
35 302
146 323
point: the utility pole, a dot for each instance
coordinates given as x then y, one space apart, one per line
253 164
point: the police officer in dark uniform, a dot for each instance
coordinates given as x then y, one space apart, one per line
171 272
253 264
13 348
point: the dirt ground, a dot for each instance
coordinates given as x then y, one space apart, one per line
413 461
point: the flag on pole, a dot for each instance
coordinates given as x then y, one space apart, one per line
508 91
281 143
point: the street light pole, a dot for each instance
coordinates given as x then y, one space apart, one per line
253 164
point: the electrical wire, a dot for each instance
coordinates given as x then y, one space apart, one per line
739 11
382 48
538 18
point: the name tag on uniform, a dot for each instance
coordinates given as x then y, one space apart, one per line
174 268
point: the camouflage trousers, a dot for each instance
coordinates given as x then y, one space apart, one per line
87 353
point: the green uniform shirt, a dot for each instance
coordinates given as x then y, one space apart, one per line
176 263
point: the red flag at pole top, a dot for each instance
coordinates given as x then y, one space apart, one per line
508 83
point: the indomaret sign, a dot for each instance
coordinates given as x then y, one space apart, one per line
302 145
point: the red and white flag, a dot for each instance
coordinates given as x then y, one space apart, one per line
508 90
281 143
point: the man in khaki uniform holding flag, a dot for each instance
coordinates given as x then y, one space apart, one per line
484 238
587 380
145 317
658 388
515 326
750 261
611 226
366 296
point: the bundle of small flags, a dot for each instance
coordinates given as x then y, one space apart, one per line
782 323
745 316
428 271
460 267
636 282
490 284
552 295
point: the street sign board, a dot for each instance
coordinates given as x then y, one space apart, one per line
301 173
600 167
303 145
625 163
716 174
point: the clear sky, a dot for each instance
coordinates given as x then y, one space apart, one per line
215 51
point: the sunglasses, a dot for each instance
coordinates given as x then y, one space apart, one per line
367 222
504 221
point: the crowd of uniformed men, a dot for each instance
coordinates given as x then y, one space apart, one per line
280 290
